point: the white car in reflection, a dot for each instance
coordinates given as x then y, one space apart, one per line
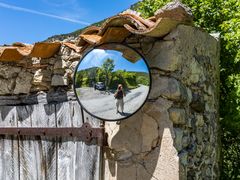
99 86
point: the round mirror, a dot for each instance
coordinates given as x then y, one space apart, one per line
112 81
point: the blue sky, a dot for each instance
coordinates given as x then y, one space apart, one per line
96 57
30 21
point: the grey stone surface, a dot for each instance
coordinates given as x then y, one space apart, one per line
166 87
174 135
60 64
183 105
164 56
23 83
7 71
178 138
58 80
177 115
6 86
42 77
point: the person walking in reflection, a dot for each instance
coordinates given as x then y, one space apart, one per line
119 98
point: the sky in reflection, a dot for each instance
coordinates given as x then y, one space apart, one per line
96 57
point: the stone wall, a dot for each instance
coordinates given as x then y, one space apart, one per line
175 134
33 75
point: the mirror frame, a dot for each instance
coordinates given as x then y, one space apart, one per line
75 72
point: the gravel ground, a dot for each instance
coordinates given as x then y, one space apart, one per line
103 104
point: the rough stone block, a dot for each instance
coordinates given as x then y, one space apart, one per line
178 138
23 83
41 77
199 120
127 136
7 71
166 87
177 115
149 133
60 64
6 86
59 71
183 157
74 56
58 80
164 56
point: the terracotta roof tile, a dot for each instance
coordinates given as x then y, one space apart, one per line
45 50
114 29
91 39
115 34
10 54
72 46
159 25
161 28
18 52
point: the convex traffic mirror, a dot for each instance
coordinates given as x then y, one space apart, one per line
112 82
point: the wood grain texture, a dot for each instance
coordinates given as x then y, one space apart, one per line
44 116
90 154
9 164
66 146
47 158
29 155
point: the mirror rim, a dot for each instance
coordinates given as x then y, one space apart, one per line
81 59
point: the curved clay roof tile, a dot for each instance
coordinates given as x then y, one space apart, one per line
119 21
10 54
161 28
45 50
89 30
167 18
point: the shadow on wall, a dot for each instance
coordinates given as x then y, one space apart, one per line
141 147
22 105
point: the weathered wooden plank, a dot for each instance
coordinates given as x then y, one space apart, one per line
29 155
81 171
44 158
87 156
9 164
66 146
44 116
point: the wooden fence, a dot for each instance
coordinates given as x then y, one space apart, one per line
44 158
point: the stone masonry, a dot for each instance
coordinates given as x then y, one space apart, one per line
175 134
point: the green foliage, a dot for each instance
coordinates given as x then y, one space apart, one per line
149 7
129 80
143 80
79 80
86 77
231 154
118 78
219 16
107 68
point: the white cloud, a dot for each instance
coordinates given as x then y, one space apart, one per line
17 8
68 9
94 58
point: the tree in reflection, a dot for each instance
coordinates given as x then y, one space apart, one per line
107 68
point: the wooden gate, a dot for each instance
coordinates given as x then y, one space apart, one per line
45 158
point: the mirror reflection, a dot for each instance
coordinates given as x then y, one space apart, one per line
112 82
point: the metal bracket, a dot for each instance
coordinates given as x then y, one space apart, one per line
85 133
